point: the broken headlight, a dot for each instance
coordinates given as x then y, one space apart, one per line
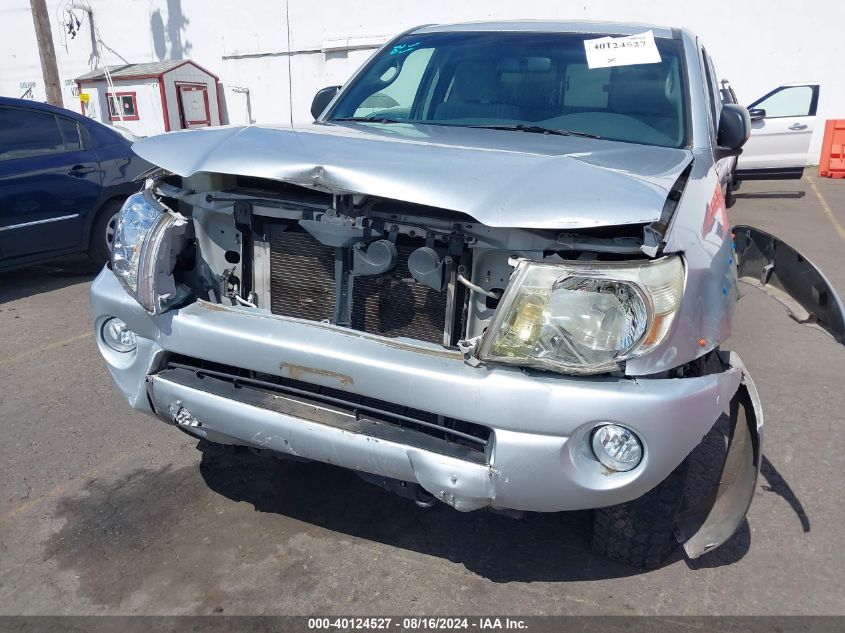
584 317
141 228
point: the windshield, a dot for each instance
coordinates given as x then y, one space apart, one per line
529 80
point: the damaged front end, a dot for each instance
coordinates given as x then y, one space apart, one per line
424 276
414 344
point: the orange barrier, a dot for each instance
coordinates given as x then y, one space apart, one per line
832 160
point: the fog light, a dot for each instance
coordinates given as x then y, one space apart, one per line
117 335
616 447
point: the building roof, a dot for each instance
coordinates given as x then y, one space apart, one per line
137 71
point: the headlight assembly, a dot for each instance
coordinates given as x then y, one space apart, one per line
584 317
139 252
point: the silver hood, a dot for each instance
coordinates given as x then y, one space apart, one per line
500 178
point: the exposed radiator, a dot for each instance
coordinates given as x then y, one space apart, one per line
394 304
301 277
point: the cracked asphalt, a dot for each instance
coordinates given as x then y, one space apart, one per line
103 510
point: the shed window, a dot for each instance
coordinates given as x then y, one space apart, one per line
122 103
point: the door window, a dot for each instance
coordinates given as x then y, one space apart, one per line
787 102
712 93
25 133
70 134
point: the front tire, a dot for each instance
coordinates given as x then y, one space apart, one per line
102 232
641 533
730 198
733 185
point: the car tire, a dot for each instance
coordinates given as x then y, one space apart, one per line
730 198
641 533
102 232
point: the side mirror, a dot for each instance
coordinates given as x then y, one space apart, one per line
322 99
734 130
757 114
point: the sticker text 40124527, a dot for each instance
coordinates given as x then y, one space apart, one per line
604 52
614 44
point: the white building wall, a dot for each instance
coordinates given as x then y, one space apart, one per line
757 44
150 110
258 82
20 65
96 107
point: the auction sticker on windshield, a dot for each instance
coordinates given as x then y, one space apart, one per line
604 52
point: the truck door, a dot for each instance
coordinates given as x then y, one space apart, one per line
782 124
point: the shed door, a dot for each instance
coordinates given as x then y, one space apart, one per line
193 105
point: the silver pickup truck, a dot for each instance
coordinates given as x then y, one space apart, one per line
495 272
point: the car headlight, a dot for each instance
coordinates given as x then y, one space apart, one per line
584 317
141 227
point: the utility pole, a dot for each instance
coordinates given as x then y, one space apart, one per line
49 69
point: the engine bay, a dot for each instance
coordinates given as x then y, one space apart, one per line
376 265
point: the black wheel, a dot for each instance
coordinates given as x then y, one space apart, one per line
733 185
730 198
641 533
102 232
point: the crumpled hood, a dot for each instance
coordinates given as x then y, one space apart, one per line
500 178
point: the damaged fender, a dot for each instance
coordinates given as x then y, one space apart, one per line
767 263
713 521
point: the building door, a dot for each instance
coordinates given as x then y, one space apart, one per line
193 105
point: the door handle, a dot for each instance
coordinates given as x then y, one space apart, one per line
797 126
79 170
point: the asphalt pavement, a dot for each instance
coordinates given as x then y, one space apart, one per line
104 510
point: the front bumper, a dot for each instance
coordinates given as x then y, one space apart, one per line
539 459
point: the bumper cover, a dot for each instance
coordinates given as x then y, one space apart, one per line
540 459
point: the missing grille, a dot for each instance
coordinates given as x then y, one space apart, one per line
302 285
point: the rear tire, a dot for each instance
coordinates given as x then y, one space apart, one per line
102 232
641 533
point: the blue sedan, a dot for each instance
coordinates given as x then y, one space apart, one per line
63 178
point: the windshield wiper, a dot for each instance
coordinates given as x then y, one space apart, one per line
368 119
535 129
